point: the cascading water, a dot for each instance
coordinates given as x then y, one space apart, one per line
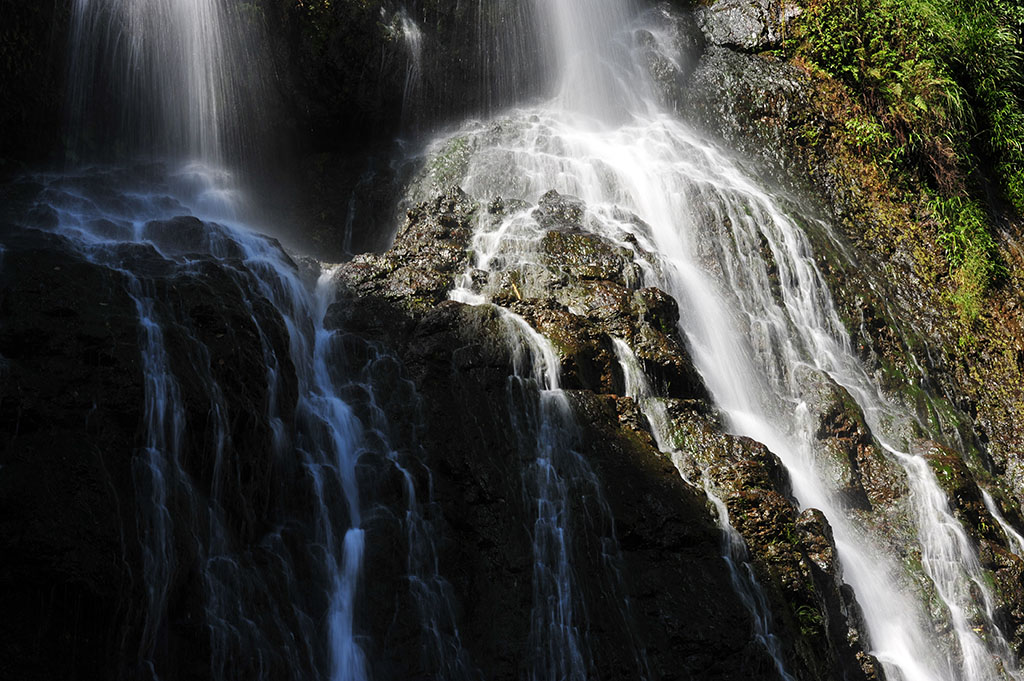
605 139
556 474
735 553
178 78
1014 538
125 228
557 631
173 78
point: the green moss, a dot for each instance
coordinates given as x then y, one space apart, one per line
939 81
944 473
973 256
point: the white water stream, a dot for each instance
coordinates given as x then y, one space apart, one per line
734 552
177 78
712 227
181 83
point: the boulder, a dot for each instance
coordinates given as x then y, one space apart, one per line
749 25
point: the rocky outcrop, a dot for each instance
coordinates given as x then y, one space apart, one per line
793 552
69 418
752 102
889 280
448 466
98 518
753 25
580 291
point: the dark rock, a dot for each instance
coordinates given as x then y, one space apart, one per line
430 251
187 234
857 468
560 212
77 493
584 349
669 567
670 72
69 417
793 553
584 256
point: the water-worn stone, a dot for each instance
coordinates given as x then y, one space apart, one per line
679 607
793 553
751 102
669 47
858 471
459 358
430 251
750 25
75 489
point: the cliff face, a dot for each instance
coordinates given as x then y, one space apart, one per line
450 482
447 457
891 273
459 358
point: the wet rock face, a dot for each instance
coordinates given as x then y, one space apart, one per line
70 392
76 488
967 505
793 553
670 568
751 102
862 477
580 291
598 286
430 251
680 30
751 25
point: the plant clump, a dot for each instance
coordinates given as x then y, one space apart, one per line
938 86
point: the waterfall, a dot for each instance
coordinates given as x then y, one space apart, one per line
734 552
130 228
266 576
172 78
606 139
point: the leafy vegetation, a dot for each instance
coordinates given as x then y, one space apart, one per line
940 85
972 253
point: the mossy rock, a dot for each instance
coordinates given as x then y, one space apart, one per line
586 256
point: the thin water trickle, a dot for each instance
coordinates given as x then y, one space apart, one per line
543 423
107 220
1013 537
734 549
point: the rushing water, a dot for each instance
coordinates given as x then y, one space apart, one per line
121 226
298 618
180 78
734 553
605 139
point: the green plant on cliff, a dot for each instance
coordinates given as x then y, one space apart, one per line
810 620
973 255
940 92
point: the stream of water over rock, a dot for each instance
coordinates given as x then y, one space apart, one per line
755 310
717 235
